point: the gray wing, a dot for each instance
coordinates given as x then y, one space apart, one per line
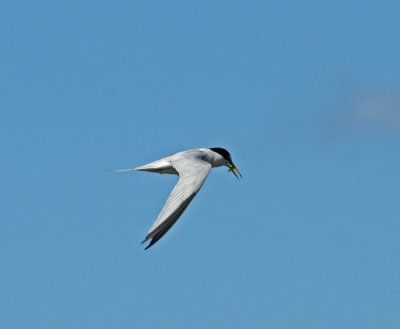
192 174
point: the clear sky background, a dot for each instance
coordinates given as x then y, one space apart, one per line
304 95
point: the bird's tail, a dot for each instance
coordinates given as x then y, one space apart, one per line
120 170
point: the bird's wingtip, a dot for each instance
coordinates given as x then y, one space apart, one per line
145 240
150 244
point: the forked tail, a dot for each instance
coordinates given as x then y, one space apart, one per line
120 170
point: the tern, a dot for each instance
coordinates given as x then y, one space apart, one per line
192 167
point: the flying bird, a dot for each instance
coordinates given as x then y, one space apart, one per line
192 167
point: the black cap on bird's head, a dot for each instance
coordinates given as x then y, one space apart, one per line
228 159
224 153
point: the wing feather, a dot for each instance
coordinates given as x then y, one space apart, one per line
192 174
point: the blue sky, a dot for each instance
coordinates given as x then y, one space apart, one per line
305 96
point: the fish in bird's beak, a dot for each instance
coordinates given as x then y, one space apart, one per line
232 168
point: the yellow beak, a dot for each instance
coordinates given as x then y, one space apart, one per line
232 168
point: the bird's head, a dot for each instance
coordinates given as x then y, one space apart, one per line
228 160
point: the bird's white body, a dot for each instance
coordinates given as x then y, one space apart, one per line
192 167
165 165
